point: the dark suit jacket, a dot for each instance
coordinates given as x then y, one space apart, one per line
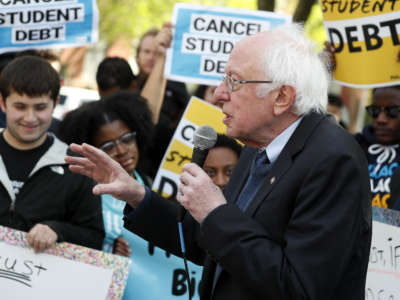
305 235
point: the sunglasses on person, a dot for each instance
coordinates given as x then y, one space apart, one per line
126 139
390 111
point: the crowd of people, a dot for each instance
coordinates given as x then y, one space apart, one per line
318 181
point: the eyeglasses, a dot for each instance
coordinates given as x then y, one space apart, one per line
232 83
390 111
126 139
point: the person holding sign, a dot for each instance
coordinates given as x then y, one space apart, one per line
294 221
39 194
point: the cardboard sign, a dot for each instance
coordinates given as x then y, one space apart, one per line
204 37
384 263
43 24
365 35
64 271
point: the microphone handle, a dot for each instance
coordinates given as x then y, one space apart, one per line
198 157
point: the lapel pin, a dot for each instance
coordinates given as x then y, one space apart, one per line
272 180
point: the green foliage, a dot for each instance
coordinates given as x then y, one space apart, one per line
314 26
130 18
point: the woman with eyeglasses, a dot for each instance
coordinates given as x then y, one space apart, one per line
380 141
121 125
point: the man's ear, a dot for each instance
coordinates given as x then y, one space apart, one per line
285 99
2 104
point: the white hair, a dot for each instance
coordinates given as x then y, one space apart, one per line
290 59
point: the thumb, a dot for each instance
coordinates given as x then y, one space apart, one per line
102 188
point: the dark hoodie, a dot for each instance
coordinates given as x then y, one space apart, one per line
382 162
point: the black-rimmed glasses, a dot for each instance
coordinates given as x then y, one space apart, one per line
390 111
233 83
126 139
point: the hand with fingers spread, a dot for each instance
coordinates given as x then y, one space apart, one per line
197 192
121 247
41 237
112 178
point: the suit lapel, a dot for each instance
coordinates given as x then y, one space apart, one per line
285 159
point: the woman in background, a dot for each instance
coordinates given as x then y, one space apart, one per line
120 125
222 159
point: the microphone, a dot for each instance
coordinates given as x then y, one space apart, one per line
204 139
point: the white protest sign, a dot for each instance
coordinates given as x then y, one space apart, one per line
204 37
42 24
64 271
383 279
26 275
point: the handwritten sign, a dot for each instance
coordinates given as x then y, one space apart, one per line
365 35
42 24
180 149
65 271
204 37
384 262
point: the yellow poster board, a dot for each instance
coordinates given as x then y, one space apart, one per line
365 35
179 152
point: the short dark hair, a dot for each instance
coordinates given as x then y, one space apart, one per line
6 58
114 72
82 124
31 76
396 87
227 142
200 91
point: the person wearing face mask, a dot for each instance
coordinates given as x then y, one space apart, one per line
222 159
380 142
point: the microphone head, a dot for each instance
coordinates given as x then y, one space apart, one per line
204 137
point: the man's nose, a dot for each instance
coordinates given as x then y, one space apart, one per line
30 115
221 93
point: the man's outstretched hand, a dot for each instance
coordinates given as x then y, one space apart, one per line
111 177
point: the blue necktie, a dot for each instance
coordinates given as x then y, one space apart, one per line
258 173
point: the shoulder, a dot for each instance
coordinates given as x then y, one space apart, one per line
327 140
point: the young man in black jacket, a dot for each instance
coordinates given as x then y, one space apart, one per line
38 194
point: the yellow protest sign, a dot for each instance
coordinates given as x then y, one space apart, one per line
179 152
365 35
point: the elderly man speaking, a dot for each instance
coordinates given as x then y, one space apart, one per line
294 222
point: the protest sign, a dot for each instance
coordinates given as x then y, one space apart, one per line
155 273
384 262
63 272
179 151
204 36
365 35
43 24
